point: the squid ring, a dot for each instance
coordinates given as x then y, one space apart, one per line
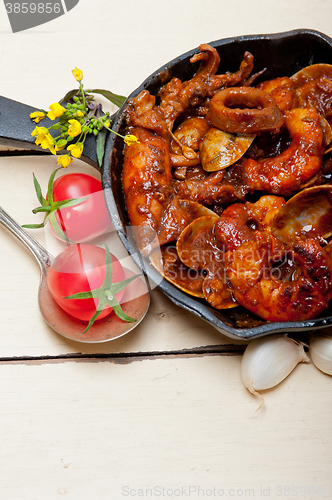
245 110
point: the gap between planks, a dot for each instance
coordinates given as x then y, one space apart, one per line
126 358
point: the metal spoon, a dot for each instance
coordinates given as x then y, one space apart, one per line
137 298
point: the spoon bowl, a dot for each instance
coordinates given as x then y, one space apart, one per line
135 302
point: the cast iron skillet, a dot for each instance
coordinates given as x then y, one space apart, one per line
283 54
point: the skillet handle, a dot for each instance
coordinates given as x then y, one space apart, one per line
16 127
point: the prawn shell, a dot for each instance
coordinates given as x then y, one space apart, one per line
220 149
166 261
196 244
308 210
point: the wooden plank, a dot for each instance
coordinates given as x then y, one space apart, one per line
84 430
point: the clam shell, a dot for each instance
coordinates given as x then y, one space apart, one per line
166 261
219 149
311 72
308 210
196 245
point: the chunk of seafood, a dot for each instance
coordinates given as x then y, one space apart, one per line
310 73
309 211
176 96
221 187
289 171
178 215
218 292
147 184
220 149
197 248
245 110
282 90
314 88
186 140
255 285
243 222
190 133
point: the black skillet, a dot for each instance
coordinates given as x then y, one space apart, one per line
282 54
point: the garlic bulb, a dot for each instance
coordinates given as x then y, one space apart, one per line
320 350
268 360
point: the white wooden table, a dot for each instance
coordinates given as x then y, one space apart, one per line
161 412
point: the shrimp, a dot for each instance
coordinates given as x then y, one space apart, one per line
147 184
240 223
257 286
292 169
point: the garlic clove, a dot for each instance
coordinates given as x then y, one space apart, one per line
320 351
269 360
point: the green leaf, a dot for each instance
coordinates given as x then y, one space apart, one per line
39 194
116 99
82 295
117 287
33 226
50 186
101 139
109 268
68 203
70 95
56 126
57 229
93 319
101 295
41 209
122 315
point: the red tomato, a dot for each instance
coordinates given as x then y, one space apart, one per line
81 268
88 219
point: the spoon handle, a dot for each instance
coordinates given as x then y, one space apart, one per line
43 257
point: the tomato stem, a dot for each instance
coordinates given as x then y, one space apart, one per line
106 292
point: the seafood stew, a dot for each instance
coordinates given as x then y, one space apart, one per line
215 296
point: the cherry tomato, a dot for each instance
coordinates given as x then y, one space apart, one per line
88 219
81 268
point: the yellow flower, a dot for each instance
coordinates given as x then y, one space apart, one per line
130 139
56 111
80 113
36 116
44 139
64 160
78 74
60 144
38 131
74 128
76 149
